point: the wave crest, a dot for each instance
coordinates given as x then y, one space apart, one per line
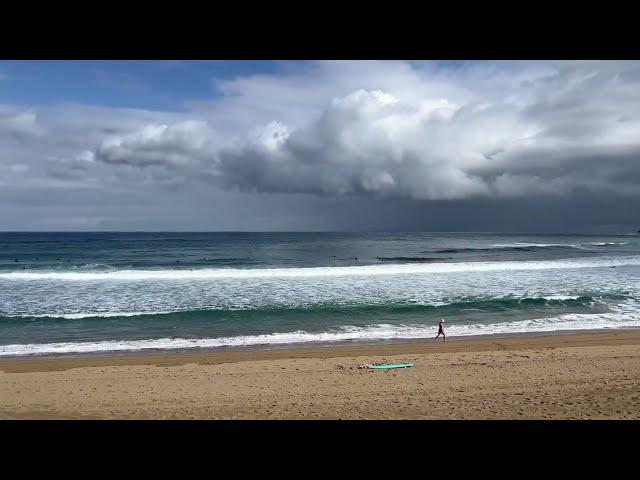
364 270
443 307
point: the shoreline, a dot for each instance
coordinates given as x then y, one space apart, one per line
553 376
289 350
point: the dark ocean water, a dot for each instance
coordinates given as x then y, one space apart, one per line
90 292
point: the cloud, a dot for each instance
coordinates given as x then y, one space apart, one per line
19 125
554 129
322 132
178 145
366 142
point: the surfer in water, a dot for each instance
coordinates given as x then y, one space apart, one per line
441 331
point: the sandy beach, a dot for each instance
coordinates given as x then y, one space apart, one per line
568 376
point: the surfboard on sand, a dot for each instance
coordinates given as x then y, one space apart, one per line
391 365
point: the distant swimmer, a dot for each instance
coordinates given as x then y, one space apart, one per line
356 259
15 259
441 331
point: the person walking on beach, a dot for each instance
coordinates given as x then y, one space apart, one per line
441 331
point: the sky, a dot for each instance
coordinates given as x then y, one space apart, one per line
505 146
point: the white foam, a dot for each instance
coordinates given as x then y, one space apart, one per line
372 332
541 245
561 297
412 302
364 270
603 244
75 316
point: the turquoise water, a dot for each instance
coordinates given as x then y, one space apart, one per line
91 292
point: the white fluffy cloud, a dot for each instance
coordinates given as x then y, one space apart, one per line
366 142
177 145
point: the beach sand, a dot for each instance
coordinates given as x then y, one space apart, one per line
572 376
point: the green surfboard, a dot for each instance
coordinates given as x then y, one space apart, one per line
391 365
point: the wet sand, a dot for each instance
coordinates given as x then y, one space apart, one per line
578 375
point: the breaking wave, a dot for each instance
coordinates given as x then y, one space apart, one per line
342 334
364 270
448 307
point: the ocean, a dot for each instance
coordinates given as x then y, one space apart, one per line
79 293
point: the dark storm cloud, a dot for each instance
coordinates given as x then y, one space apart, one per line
573 130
